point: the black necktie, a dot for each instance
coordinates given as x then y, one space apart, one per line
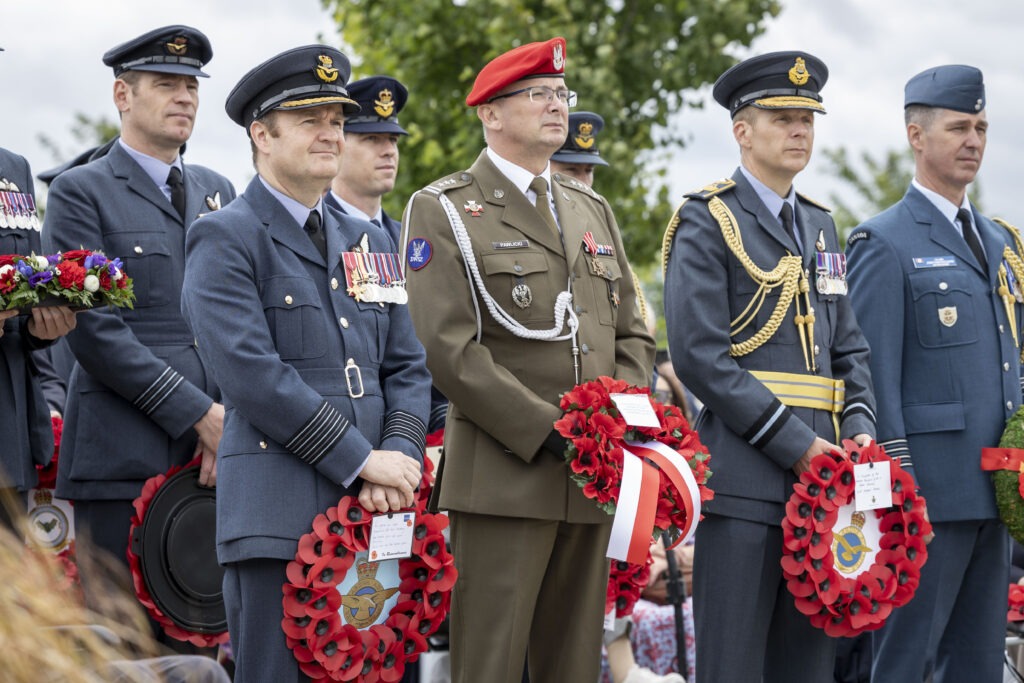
316 234
177 191
540 186
970 236
786 214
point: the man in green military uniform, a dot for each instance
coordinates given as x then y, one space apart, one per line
514 310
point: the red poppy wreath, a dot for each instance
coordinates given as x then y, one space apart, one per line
142 592
848 570
653 479
364 622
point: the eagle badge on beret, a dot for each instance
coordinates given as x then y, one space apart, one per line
557 57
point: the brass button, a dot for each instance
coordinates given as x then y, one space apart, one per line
585 349
1009 405
288 299
334 283
943 286
518 268
1006 367
817 350
138 249
263 445
344 322
1001 329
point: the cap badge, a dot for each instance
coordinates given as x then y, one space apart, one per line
798 73
385 106
557 58
978 105
326 71
178 47
585 140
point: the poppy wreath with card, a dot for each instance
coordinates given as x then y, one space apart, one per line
844 603
670 462
350 636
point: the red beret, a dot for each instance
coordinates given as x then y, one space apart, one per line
525 61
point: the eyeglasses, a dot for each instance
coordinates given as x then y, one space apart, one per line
542 93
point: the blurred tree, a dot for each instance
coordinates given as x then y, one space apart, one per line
632 61
86 132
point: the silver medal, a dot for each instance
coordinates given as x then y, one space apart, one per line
522 296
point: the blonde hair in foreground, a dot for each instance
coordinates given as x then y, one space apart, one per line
46 634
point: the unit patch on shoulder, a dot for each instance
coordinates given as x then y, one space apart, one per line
712 189
805 198
857 236
419 252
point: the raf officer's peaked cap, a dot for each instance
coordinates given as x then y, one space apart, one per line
303 77
581 144
171 49
955 86
380 98
777 80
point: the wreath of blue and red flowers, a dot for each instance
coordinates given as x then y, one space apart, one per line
847 606
597 432
80 278
328 650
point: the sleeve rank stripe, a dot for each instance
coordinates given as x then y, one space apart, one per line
766 426
438 412
405 425
157 392
898 449
858 408
319 435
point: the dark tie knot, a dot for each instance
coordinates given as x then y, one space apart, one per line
786 214
964 216
174 177
312 225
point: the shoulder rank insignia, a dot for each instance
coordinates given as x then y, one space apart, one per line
460 179
574 184
715 188
805 198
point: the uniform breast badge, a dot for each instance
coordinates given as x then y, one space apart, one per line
374 277
948 316
521 294
473 209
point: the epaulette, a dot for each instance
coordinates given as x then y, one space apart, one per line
670 235
574 184
460 179
805 198
708 191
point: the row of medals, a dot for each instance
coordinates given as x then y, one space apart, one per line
17 210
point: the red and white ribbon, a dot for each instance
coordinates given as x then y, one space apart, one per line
633 524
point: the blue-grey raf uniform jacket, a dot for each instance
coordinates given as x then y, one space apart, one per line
25 431
277 328
138 386
438 402
753 438
943 358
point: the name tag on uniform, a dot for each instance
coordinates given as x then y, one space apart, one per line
934 261
515 244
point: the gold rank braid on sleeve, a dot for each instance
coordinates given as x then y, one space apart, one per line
788 273
1013 260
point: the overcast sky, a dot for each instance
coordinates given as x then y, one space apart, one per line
52 68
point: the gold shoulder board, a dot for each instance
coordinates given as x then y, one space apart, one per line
709 191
